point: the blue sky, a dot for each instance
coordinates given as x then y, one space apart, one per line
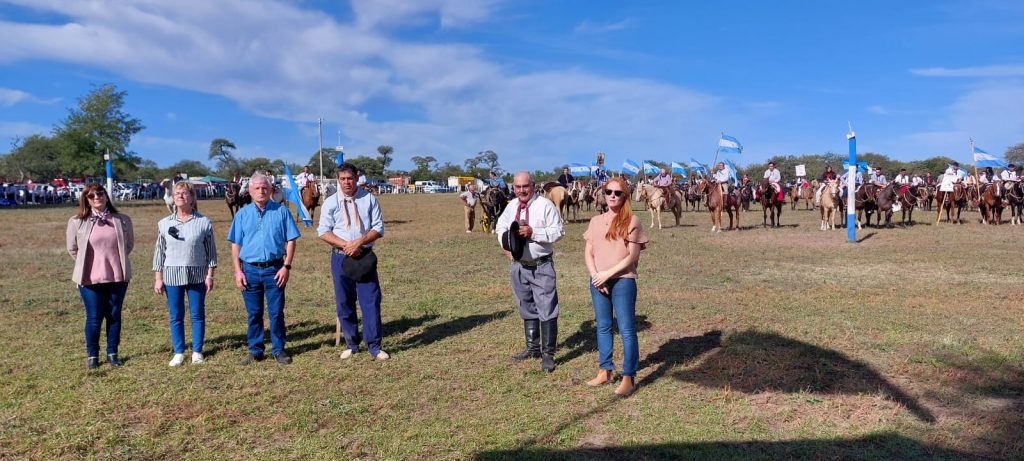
542 83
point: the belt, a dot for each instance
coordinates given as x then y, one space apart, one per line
276 262
339 251
535 262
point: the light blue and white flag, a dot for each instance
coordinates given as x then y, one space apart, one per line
679 169
729 145
985 159
861 166
631 166
579 168
699 167
294 197
650 168
732 170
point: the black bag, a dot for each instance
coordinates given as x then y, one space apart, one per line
362 268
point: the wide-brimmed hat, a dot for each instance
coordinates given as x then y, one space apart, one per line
512 242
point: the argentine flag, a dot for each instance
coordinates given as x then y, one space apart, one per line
861 166
579 168
699 167
631 166
679 169
985 159
733 170
294 197
650 168
729 145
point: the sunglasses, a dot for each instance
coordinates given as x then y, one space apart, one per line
617 193
97 194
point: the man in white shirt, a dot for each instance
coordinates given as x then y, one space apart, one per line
304 178
469 199
362 179
774 177
722 176
903 179
533 275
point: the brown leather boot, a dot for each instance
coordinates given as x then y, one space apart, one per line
603 377
626 387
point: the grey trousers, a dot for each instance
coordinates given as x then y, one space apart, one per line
534 288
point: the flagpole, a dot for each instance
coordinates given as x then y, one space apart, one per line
977 180
320 130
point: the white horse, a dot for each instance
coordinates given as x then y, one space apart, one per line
168 195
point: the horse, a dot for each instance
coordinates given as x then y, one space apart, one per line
830 204
805 192
559 195
600 202
892 198
929 192
746 196
234 197
864 201
1015 199
588 194
658 199
991 204
771 203
493 200
311 197
692 196
168 195
718 202
374 190
947 200
575 197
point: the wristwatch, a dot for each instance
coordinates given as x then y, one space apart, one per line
288 266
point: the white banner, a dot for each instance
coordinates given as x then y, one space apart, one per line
800 171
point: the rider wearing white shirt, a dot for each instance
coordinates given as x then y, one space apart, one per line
722 176
903 179
1009 174
774 177
304 178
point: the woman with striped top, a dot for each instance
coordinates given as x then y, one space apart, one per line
183 262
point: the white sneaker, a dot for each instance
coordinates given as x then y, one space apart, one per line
197 357
178 359
469 232
382 356
345 354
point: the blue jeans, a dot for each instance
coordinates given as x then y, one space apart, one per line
102 301
197 308
261 284
346 291
621 299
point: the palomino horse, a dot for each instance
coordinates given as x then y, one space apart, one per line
493 201
1015 200
771 203
235 198
718 202
803 191
948 200
829 204
558 195
991 204
657 200
311 197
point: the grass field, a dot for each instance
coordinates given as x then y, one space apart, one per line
759 344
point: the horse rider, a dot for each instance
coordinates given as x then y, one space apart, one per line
951 176
1009 177
917 181
497 182
722 177
858 180
600 176
565 179
304 178
877 178
985 179
827 176
903 179
774 177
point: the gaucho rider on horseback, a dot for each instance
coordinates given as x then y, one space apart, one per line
774 177
858 181
498 182
722 177
1009 177
827 176
304 178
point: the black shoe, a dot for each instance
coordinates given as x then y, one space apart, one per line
548 342
92 363
531 329
283 358
114 361
251 358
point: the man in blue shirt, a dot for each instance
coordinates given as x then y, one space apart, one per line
350 221
262 240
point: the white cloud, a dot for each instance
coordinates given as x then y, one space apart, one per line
594 27
448 13
11 130
877 109
10 97
993 71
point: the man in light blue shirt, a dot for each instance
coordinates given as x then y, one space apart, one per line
350 221
262 240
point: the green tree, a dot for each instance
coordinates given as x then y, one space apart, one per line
192 168
447 169
96 126
223 151
148 169
423 170
36 156
330 166
483 163
370 166
1015 154
385 152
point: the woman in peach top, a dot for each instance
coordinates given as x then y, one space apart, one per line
613 243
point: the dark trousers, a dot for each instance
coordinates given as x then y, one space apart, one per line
346 291
103 302
261 284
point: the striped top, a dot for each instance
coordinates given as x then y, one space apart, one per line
184 250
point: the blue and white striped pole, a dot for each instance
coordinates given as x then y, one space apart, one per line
851 186
110 174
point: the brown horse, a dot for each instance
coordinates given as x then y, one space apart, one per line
991 204
804 192
493 200
771 203
692 196
1015 200
718 202
311 197
234 197
948 200
894 198
659 199
830 201
600 204
746 196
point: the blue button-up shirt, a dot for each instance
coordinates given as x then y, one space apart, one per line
337 206
263 235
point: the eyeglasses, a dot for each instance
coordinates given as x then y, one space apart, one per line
181 194
97 194
617 193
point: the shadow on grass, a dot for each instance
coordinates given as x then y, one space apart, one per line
754 361
435 333
866 236
295 334
876 446
677 351
584 339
